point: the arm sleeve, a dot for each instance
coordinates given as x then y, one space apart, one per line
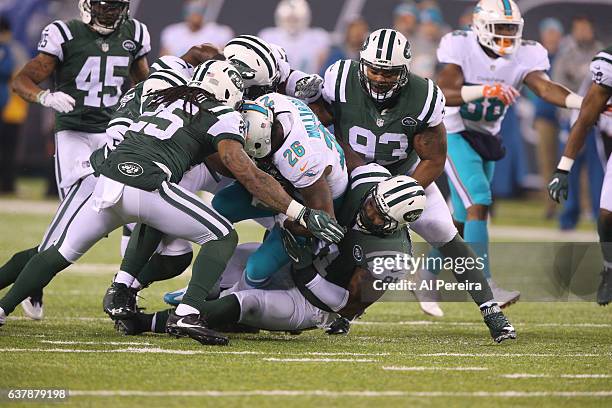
438 111
53 37
142 38
450 50
229 126
536 58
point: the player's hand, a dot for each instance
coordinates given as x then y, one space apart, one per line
301 255
321 225
505 93
558 185
59 101
309 88
341 325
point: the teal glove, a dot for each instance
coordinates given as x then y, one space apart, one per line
558 185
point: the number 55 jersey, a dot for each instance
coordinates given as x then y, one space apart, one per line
485 115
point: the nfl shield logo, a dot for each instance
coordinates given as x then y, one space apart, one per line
104 47
380 122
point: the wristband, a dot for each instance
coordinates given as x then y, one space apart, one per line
292 80
41 95
565 164
472 92
573 101
294 211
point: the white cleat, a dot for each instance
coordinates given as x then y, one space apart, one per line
428 299
503 297
33 308
2 317
431 309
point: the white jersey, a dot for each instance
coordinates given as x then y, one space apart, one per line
485 115
309 148
177 39
601 71
305 50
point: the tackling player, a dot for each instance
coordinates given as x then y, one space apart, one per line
484 67
595 101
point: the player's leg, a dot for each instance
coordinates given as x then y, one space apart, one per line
235 203
171 259
267 259
604 227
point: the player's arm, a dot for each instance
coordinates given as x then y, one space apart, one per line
318 195
450 81
139 71
214 163
40 68
265 188
541 84
362 293
430 145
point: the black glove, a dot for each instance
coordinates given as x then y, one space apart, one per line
558 185
321 225
341 325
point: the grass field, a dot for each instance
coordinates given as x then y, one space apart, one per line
394 356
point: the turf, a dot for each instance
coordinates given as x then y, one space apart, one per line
447 362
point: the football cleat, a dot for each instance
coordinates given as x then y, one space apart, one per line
195 327
176 297
428 299
128 327
503 297
604 292
120 301
498 324
33 306
341 325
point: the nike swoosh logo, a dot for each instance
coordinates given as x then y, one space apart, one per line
317 219
181 324
553 183
304 166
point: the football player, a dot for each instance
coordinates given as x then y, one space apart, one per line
383 113
181 127
482 72
598 96
90 60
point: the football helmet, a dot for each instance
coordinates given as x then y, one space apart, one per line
258 120
221 79
104 16
498 25
398 200
292 16
385 55
254 59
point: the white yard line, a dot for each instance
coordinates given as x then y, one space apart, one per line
338 394
94 343
580 376
437 323
402 368
318 360
512 355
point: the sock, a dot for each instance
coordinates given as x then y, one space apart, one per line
221 311
143 243
458 249
158 325
208 267
36 275
124 277
604 228
136 285
163 267
477 234
10 270
184 310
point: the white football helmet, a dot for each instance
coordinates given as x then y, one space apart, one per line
399 200
221 79
258 120
292 16
255 61
385 51
104 16
492 16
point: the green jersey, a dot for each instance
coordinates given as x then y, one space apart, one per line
379 133
92 68
358 249
166 141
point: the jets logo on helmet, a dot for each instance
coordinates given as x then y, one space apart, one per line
498 25
104 16
398 200
255 61
384 64
215 77
258 120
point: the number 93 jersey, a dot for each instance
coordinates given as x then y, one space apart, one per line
309 148
92 68
384 136
485 115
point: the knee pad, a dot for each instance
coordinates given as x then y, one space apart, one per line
251 305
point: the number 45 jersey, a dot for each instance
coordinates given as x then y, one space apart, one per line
92 68
485 115
381 134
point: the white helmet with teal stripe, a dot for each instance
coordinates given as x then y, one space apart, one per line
221 80
498 25
384 63
258 120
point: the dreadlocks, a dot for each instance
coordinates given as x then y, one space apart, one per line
190 95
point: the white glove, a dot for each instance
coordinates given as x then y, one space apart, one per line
59 101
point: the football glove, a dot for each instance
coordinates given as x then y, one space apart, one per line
309 88
505 93
59 101
301 255
341 325
558 185
321 225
